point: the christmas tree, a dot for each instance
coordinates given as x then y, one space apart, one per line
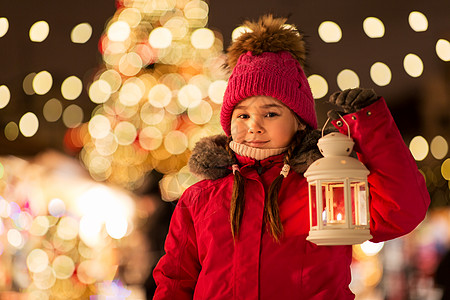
158 92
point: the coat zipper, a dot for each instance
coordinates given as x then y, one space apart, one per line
258 167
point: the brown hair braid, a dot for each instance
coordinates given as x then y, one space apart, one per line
237 197
271 209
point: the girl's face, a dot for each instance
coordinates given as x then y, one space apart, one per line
263 122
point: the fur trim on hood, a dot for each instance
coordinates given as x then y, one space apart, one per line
210 159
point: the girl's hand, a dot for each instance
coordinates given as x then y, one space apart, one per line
352 100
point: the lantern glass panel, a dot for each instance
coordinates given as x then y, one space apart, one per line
359 203
313 203
333 195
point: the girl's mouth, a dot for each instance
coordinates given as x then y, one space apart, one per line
256 144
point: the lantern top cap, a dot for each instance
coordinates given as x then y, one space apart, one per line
335 144
336 168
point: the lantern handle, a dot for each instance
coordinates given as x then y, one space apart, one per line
325 125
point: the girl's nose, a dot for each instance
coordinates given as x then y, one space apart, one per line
255 127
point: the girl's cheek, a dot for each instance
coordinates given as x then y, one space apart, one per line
238 131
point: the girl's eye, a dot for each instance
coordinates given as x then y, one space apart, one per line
272 114
243 116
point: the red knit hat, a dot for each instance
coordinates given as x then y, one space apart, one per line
267 61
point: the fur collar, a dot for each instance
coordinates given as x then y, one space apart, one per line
210 159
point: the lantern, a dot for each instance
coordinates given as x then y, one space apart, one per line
338 194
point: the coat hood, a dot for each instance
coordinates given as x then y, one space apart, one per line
211 160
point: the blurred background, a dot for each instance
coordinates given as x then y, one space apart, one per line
102 101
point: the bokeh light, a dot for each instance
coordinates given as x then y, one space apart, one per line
37 260
202 82
445 169
370 248
117 227
443 49
90 228
4 26
56 207
150 138
86 271
130 15
81 33
71 88
73 116
170 188
67 228
28 124
52 110
151 115
238 31
63 267
176 142
319 86
178 26
196 12
413 65
15 238
330 32
38 295
42 82
189 96
131 93
439 147
27 84
216 91
100 91
39 226
100 167
125 132
200 114
5 96
418 21
99 126
419 148
11 131
23 220
112 79
119 31
373 27
106 145
347 79
39 31
160 38
5 208
202 38
130 64
159 95
380 73
45 279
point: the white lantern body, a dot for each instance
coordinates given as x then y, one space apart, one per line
338 194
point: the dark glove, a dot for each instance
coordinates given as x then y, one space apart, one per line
351 100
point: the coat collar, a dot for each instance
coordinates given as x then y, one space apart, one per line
211 160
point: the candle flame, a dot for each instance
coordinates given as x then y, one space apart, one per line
339 217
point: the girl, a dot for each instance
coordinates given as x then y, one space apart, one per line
241 232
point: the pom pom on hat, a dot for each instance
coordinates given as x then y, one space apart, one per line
267 61
268 34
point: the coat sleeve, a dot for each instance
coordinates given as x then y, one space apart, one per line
398 195
177 271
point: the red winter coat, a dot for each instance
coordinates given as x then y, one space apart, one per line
203 262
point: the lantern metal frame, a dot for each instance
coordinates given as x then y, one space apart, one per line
338 168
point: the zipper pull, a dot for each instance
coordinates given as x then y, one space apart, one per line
258 167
